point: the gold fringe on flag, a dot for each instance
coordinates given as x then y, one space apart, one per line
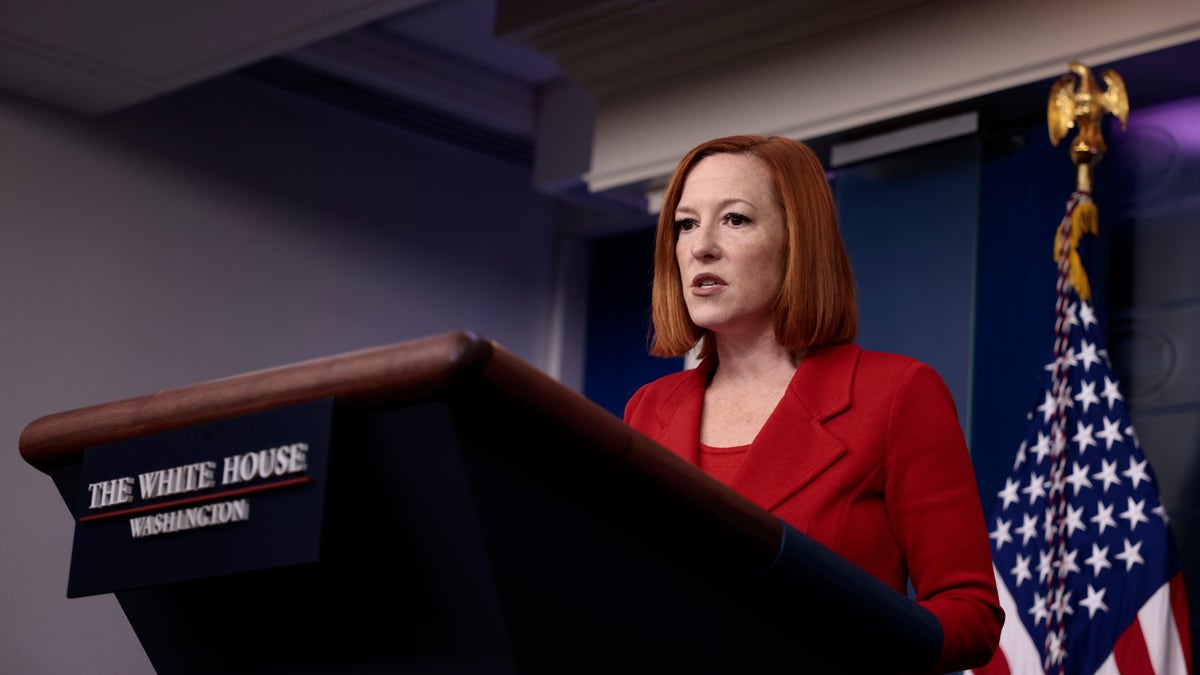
1084 220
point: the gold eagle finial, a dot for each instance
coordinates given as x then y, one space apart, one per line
1083 105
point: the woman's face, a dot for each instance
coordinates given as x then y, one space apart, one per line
729 246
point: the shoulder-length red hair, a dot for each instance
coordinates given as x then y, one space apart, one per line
816 303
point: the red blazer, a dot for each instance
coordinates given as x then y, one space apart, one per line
864 453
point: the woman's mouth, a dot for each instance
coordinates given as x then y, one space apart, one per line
707 282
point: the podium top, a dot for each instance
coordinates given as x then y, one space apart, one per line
408 371
397 374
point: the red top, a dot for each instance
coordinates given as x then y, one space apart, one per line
864 453
721 463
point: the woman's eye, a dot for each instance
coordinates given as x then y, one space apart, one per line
684 224
736 219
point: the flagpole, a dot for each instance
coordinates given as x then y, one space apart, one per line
1073 104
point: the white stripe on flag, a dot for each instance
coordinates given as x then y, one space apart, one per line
1162 635
1022 654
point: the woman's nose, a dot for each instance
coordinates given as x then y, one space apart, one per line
704 242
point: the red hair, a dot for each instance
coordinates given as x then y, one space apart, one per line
816 303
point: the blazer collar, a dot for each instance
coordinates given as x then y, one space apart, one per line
793 447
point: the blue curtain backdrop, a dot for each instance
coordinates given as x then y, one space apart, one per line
909 223
618 323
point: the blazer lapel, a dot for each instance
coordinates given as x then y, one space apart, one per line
793 448
679 415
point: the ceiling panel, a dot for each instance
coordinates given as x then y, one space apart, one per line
96 57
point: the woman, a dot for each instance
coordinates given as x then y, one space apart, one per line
860 450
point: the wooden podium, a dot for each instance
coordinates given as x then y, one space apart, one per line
475 516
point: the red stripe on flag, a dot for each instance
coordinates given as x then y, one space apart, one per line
1179 609
1130 652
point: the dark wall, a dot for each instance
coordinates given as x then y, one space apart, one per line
1150 221
618 324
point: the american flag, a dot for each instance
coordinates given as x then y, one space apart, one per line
1085 564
